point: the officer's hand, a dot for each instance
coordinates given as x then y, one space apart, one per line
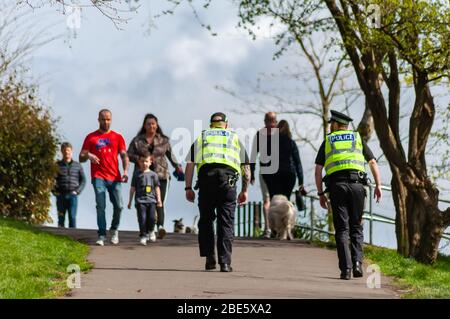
242 198
377 193
252 181
129 206
323 201
190 195
124 178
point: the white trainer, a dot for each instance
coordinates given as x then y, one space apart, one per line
100 241
115 237
152 236
143 241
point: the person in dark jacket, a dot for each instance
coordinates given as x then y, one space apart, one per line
70 182
290 166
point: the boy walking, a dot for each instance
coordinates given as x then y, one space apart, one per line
70 182
145 185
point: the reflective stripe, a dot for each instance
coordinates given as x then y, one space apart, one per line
224 156
344 162
228 146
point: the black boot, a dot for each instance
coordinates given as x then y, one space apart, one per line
210 263
225 268
357 269
346 274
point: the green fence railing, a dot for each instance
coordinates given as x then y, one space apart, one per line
249 220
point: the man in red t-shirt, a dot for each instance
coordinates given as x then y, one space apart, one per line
101 148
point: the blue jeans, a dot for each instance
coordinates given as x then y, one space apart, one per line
102 186
67 203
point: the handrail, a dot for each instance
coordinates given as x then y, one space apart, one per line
251 221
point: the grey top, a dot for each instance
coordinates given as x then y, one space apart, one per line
145 184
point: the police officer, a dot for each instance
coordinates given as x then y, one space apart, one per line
343 154
220 158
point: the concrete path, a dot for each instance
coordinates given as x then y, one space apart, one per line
172 268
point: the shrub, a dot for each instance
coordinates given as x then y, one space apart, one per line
28 145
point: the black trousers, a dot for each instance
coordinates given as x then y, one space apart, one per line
216 200
347 203
146 218
281 183
163 184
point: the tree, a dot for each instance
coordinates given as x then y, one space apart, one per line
27 131
411 40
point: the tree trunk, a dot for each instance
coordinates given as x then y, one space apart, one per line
400 198
366 126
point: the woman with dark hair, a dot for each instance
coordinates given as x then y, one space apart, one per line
290 166
151 138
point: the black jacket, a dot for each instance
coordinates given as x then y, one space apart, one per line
70 178
289 158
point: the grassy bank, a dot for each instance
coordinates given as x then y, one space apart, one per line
33 263
413 279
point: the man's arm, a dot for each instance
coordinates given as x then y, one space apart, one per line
85 155
246 176
125 165
318 177
376 175
189 174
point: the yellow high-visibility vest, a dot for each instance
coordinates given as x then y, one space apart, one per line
343 151
218 146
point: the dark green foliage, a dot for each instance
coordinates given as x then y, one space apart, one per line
28 145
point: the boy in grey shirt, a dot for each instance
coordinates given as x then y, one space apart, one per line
145 185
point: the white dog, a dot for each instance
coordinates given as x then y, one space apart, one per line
282 217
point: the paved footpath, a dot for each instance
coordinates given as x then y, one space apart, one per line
172 268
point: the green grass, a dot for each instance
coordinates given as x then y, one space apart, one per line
33 263
411 278
416 280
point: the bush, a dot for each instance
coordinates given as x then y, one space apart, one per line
28 145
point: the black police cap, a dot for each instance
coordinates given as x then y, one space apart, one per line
222 116
340 118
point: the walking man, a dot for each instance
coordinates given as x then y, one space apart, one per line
262 145
343 154
70 182
220 158
102 148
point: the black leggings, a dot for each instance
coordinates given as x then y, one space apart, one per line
163 185
281 183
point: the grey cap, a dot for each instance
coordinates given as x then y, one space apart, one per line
340 118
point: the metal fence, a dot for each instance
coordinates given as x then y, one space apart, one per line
249 221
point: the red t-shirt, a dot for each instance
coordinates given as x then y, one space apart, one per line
106 146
